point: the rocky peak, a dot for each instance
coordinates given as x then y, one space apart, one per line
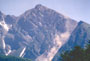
39 6
81 22
41 29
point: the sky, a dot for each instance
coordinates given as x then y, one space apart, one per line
75 9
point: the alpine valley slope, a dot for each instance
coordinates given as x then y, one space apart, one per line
36 34
79 37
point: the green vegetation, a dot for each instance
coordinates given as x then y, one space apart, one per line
77 54
12 58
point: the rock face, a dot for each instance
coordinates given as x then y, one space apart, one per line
37 34
79 37
4 29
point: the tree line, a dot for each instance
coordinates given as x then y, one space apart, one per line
77 54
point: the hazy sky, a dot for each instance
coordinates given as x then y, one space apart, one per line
76 9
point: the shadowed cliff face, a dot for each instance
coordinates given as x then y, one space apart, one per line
79 37
41 31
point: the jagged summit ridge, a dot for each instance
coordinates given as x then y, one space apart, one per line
39 6
38 9
82 22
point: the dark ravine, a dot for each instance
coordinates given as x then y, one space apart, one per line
39 33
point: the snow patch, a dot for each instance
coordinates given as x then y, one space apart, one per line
59 40
4 31
2 44
21 54
18 53
8 52
40 23
4 25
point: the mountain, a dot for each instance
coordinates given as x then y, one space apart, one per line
36 34
79 37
